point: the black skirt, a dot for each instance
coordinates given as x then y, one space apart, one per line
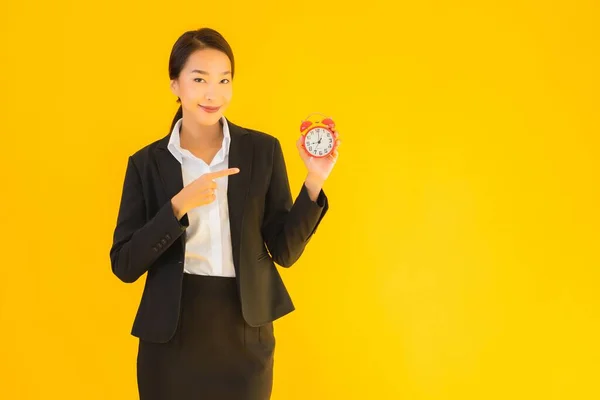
214 354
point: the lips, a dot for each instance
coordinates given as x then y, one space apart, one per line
209 109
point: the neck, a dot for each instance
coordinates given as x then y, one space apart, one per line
193 135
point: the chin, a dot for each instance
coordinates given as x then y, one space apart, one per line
209 120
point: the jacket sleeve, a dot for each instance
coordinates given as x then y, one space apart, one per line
138 242
288 226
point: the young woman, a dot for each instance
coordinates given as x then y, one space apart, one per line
206 212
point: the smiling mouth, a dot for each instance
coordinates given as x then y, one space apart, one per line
209 109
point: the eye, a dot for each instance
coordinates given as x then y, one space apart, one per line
223 81
196 79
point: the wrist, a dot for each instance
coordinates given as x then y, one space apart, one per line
177 204
314 179
314 184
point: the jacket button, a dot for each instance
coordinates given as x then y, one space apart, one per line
168 237
159 245
155 249
163 241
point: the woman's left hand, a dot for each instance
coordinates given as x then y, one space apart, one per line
319 168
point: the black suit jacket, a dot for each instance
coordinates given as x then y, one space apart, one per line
267 227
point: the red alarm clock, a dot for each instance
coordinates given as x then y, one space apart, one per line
318 136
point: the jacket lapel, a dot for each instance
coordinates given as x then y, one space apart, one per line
240 156
169 169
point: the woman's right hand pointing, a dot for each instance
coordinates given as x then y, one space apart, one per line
199 192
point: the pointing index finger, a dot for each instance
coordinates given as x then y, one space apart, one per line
223 172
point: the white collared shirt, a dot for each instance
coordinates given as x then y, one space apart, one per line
208 237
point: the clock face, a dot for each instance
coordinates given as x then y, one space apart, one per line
319 142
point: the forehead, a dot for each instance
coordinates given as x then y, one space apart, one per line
210 60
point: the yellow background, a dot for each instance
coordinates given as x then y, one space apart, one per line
459 259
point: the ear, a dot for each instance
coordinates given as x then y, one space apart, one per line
174 86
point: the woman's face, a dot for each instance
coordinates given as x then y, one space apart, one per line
204 86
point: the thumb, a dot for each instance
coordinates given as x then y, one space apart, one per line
300 147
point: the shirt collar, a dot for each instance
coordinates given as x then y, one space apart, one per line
174 145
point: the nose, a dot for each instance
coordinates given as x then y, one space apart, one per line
211 92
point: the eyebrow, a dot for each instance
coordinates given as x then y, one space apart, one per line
206 73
